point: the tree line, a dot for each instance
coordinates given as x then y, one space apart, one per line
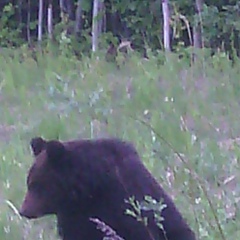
91 25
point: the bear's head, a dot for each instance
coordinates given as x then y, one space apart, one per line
46 186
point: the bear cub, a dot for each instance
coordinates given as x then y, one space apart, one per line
83 179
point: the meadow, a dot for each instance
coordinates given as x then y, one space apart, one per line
182 118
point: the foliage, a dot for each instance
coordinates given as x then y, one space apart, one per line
137 21
148 204
9 34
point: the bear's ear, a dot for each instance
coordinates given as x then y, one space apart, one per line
55 151
37 145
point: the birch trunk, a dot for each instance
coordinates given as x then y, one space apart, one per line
49 20
95 26
166 24
40 20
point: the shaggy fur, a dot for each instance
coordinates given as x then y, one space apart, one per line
83 179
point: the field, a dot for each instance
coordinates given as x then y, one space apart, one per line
183 120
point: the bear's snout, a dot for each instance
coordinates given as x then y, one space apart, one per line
31 207
27 214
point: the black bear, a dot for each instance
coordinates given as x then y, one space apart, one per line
83 179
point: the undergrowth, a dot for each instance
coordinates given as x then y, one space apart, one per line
181 117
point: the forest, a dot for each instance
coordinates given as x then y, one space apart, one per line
92 25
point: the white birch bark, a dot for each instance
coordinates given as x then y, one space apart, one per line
166 24
40 20
50 22
95 26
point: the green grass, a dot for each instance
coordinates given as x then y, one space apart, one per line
183 121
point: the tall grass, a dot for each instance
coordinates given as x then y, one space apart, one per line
183 120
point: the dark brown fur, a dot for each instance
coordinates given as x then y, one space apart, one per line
84 179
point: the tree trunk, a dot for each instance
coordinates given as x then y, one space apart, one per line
197 30
28 21
69 7
166 24
95 33
102 17
78 24
20 17
66 7
62 9
40 20
49 21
